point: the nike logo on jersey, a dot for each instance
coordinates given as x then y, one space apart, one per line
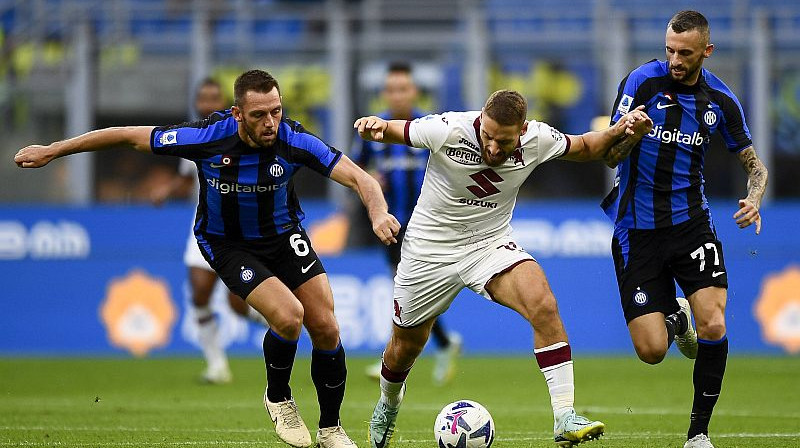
664 106
716 274
217 165
306 268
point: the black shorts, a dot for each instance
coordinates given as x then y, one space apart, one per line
649 262
244 264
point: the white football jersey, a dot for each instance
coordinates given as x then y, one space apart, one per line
464 203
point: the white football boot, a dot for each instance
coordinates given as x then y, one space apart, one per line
288 424
698 441
687 342
445 365
334 437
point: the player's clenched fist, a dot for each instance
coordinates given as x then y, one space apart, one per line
386 227
33 156
636 122
371 128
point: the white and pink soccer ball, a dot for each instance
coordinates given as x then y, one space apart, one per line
464 424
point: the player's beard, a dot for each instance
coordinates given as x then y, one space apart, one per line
493 161
687 73
258 138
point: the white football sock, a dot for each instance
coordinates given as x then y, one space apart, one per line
208 336
560 382
391 393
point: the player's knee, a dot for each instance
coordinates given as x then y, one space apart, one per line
323 333
651 356
712 330
288 321
542 309
651 353
201 295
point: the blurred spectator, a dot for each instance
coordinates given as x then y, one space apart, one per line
400 170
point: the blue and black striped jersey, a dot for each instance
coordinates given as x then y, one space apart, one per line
402 168
661 183
245 193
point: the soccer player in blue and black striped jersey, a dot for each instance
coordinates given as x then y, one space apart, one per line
202 278
400 169
248 227
664 232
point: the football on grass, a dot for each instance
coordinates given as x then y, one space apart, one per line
464 424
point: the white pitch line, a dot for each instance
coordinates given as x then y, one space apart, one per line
160 443
676 411
129 429
520 435
433 407
633 410
398 440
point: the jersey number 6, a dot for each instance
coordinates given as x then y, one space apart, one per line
299 245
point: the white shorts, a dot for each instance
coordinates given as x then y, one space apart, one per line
192 257
424 289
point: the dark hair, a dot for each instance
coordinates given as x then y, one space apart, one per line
506 107
255 81
690 20
207 82
399 67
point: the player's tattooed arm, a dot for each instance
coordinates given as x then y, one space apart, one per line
757 175
595 145
620 150
639 124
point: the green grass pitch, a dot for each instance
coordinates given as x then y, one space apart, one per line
158 402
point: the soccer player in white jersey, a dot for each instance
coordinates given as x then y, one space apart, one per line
459 236
202 278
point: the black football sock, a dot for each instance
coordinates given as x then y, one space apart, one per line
278 358
676 323
439 335
329 373
709 368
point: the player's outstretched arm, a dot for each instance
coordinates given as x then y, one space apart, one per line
612 143
36 156
350 175
377 129
756 186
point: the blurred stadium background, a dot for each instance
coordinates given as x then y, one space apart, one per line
89 268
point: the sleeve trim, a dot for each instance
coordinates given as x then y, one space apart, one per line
566 148
152 139
334 161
